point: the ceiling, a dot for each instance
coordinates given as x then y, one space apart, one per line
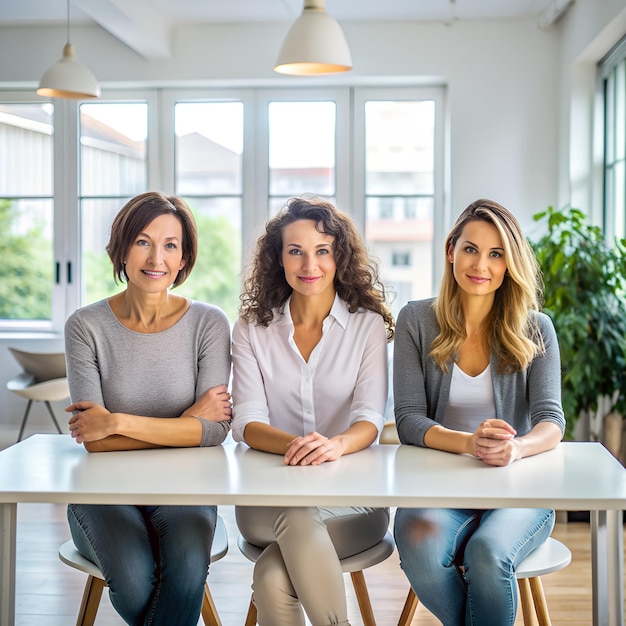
134 21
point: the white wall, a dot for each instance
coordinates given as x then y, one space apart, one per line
589 30
509 89
502 79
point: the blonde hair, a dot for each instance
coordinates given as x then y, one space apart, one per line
514 336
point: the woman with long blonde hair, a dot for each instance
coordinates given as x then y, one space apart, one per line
477 371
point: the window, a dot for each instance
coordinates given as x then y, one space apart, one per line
236 156
28 273
401 259
113 168
613 69
401 183
209 175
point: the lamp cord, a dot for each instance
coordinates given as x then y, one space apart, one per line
68 21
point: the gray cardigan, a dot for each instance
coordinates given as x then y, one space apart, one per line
421 388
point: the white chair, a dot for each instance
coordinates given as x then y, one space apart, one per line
354 565
549 557
43 380
96 583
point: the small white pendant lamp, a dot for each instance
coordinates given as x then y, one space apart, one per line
67 78
315 44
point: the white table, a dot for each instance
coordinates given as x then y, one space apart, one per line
574 476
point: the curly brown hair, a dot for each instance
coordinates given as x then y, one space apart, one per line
357 282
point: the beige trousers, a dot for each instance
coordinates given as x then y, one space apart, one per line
299 567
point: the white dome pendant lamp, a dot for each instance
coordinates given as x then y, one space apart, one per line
67 78
315 44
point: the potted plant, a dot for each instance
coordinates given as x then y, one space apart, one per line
584 282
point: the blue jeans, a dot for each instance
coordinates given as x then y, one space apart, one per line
434 544
155 559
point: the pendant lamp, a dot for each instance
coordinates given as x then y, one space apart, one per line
315 44
67 78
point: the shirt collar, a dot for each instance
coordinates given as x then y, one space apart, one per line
339 311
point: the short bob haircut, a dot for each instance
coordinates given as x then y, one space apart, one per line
135 215
357 282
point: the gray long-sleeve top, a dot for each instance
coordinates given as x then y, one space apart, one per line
421 388
151 374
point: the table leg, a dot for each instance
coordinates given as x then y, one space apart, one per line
8 519
607 566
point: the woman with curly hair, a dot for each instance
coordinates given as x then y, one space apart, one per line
310 384
477 371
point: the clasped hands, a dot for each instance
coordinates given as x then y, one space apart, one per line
494 443
313 449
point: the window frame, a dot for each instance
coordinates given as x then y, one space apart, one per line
613 61
67 295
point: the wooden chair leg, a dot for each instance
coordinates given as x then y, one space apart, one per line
251 616
363 598
408 611
90 602
209 610
539 598
526 600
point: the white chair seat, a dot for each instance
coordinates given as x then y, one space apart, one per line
51 390
43 379
91 596
549 557
374 555
353 565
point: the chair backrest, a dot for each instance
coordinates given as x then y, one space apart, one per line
42 365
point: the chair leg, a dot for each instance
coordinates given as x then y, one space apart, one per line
363 598
541 606
209 610
23 425
54 419
251 616
408 611
90 602
526 600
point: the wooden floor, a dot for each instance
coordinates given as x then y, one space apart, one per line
49 592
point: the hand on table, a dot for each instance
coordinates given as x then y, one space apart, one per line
90 421
494 443
313 449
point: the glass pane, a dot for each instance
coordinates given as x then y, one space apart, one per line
617 194
399 184
399 147
400 234
302 148
97 217
113 142
620 110
209 145
215 276
27 275
26 149
26 211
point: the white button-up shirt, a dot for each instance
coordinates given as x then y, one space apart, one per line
343 382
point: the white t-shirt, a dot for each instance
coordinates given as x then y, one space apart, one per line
471 400
343 382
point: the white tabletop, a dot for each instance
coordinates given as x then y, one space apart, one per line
53 468
578 476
